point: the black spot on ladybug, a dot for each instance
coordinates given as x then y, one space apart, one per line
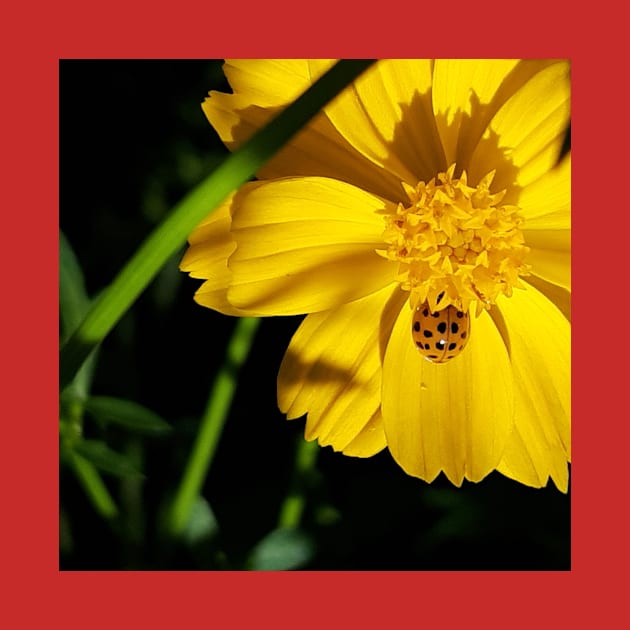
442 327
440 344
454 327
427 346
416 326
425 312
460 314
419 344
432 356
435 314
452 346
463 335
427 333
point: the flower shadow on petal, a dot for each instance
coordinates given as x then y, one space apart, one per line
319 367
320 150
279 292
499 322
317 371
395 303
339 402
473 137
316 150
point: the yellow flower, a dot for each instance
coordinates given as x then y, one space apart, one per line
427 188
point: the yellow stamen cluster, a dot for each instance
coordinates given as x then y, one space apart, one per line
455 244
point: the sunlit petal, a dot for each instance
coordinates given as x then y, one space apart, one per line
531 126
546 203
550 255
306 245
262 88
210 246
540 350
463 90
559 296
396 133
332 372
453 417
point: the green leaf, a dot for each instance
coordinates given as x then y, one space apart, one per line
202 523
105 459
126 413
282 550
93 485
73 300
74 303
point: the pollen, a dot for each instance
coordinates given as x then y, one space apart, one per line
456 244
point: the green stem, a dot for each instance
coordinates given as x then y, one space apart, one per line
165 240
93 486
212 423
292 507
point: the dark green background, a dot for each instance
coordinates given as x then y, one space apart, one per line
133 140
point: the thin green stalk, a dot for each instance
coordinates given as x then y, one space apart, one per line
212 423
169 236
93 485
292 507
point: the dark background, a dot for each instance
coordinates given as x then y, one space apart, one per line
133 141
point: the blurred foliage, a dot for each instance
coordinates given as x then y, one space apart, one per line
133 141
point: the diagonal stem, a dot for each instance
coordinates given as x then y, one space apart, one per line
164 241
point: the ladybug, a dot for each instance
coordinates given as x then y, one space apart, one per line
442 335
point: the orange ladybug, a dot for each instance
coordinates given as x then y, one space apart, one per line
442 335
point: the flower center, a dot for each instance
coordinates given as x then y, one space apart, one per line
456 244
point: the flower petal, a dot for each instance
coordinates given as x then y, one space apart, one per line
332 372
559 296
396 133
546 203
546 206
531 126
210 246
262 88
550 255
370 440
272 82
306 245
460 87
540 351
467 93
453 417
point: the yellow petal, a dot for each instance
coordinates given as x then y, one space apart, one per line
332 372
546 203
210 246
559 296
386 116
306 245
460 87
262 88
370 440
272 82
453 417
550 255
532 124
526 460
540 351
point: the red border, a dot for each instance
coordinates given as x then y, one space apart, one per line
38 593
